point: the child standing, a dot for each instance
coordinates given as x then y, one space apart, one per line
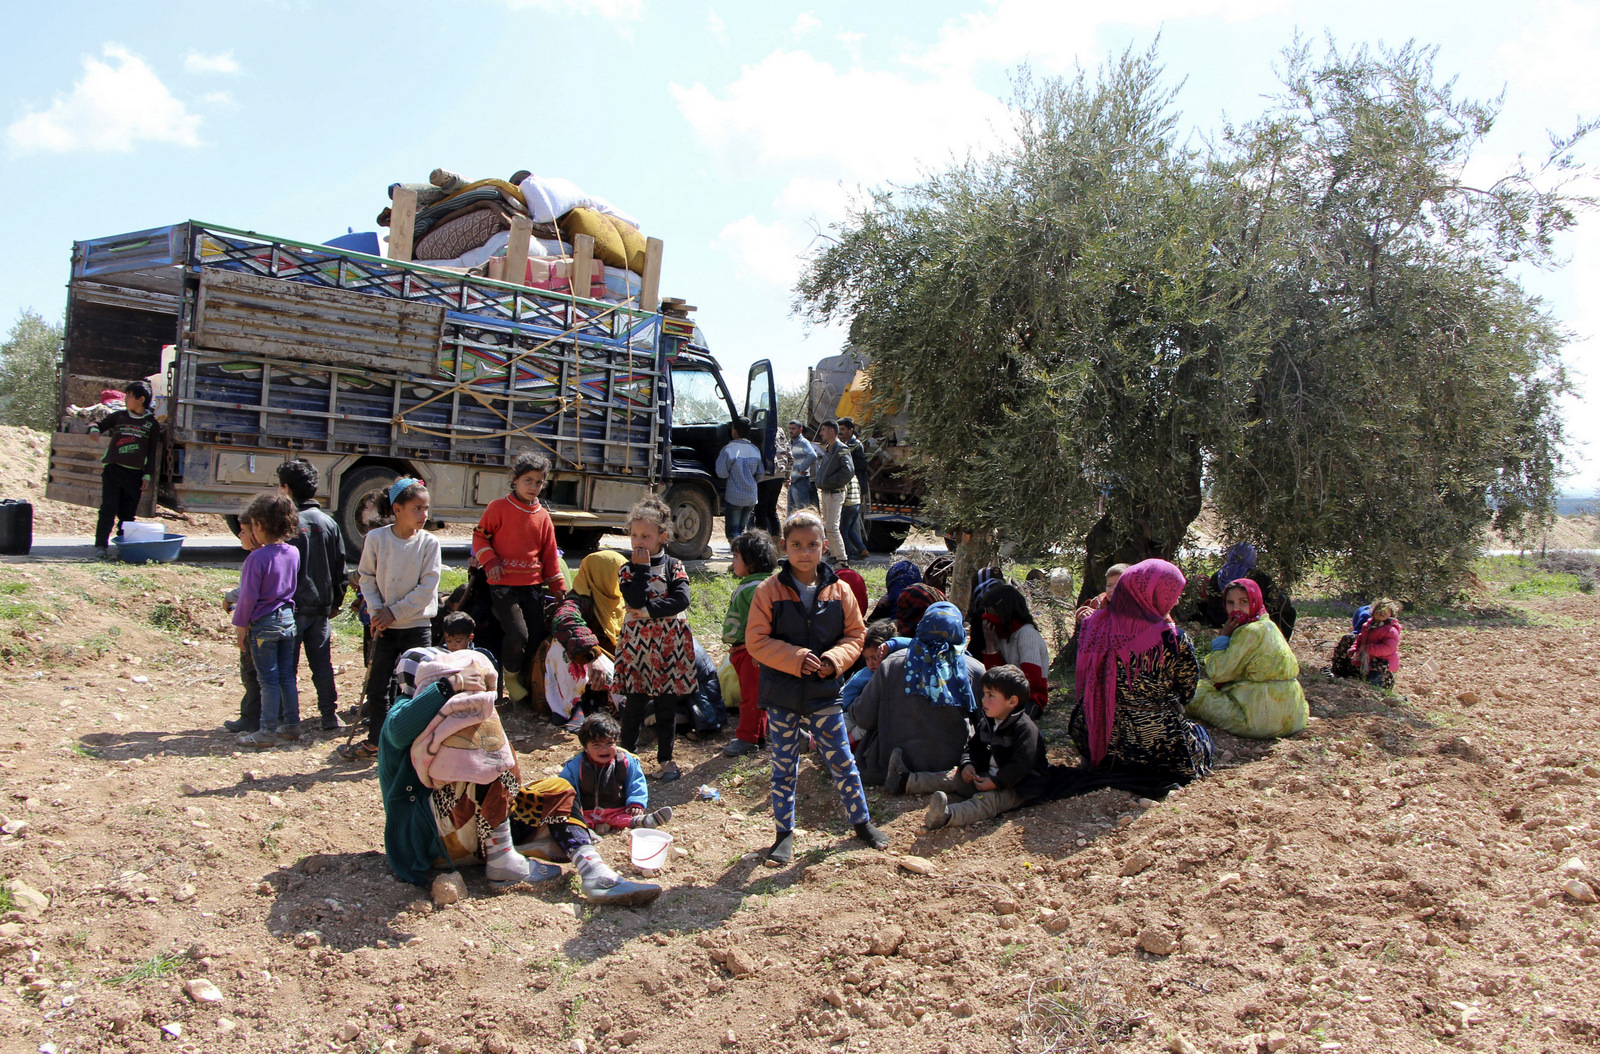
754 559
320 595
609 780
805 630
515 543
655 655
263 618
130 462
1003 766
399 576
249 703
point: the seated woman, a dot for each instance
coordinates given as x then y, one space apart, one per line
597 590
901 574
1240 562
451 790
1136 673
919 701
912 602
1011 637
1372 650
1250 686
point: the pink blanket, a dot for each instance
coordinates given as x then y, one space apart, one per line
466 670
464 743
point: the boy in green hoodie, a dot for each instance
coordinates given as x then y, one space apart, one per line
130 462
754 560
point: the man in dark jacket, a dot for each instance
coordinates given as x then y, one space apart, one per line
835 470
320 593
130 462
858 496
1003 766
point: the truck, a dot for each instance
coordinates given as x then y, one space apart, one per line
263 348
839 386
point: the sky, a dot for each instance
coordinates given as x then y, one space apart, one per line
737 133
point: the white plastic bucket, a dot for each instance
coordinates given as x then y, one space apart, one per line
143 532
648 850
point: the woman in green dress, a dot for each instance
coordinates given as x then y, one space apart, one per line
1250 685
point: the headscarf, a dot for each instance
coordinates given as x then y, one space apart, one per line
1237 562
1252 592
914 600
902 574
1127 630
858 585
597 579
986 579
936 664
1363 613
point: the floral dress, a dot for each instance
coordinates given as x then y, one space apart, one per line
655 655
1149 730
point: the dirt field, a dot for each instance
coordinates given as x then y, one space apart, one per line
1390 880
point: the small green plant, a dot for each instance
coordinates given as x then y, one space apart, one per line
152 969
6 903
168 617
569 1023
83 750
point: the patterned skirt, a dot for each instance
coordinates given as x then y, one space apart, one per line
655 657
1149 739
1344 666
467 813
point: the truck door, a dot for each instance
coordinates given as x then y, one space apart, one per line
761 410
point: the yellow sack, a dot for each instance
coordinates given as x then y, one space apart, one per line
632 244
728 678
608 247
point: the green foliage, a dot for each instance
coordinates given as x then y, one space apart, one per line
28 360
151 969
1314 320
791 406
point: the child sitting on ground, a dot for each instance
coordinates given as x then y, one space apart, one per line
576 671
1003 766
1373 651
609 780
879 633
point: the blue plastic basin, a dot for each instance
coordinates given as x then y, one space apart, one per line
163 552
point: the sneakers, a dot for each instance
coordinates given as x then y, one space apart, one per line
260 739
872 836
331 723
620 892
361 751
738 748
938 811
668 772
654 819
895 780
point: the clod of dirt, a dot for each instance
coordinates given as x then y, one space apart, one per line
424 1038
201 990
1005 907
1579 891
887 941
1136 862
1157 941
448 888
1181 1045
739 964
349 1031
497 1043
183 893
1468 698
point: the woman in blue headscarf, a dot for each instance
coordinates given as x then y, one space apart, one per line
901 574
920 700
1239 561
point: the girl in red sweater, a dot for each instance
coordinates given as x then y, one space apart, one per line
515 544
1376 649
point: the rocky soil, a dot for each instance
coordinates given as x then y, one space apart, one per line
1407 873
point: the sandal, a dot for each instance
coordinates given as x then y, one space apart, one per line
362 751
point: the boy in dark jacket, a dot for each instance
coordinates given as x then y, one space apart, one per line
320 593
805 631
1002 767
130 462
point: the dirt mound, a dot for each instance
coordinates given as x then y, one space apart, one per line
25 469
1392 879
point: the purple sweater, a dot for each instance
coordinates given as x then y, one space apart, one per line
267 582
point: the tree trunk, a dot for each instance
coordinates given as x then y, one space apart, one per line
974 552
1156 531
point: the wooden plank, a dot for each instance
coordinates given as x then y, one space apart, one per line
582 264
650 288
402 223
516 265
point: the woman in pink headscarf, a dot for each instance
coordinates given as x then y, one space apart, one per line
1136 673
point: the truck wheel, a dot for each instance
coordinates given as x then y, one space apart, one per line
578 541
691 521
885 536
356 514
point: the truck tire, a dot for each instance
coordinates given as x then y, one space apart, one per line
884 536
352 490
691 521
578 542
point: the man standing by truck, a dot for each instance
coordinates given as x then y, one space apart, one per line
803 461
852 526
130 462
835 472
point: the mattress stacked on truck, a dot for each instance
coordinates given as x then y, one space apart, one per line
466 225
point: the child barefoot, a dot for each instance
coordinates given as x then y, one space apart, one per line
805 630
754 559
610 781
655 655
400 569
264 618
516 544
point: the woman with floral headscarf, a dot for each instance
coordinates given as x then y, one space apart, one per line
1136 673
920 700
1239 561
1250 685
912 602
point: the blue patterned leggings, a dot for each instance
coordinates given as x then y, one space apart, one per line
783 732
